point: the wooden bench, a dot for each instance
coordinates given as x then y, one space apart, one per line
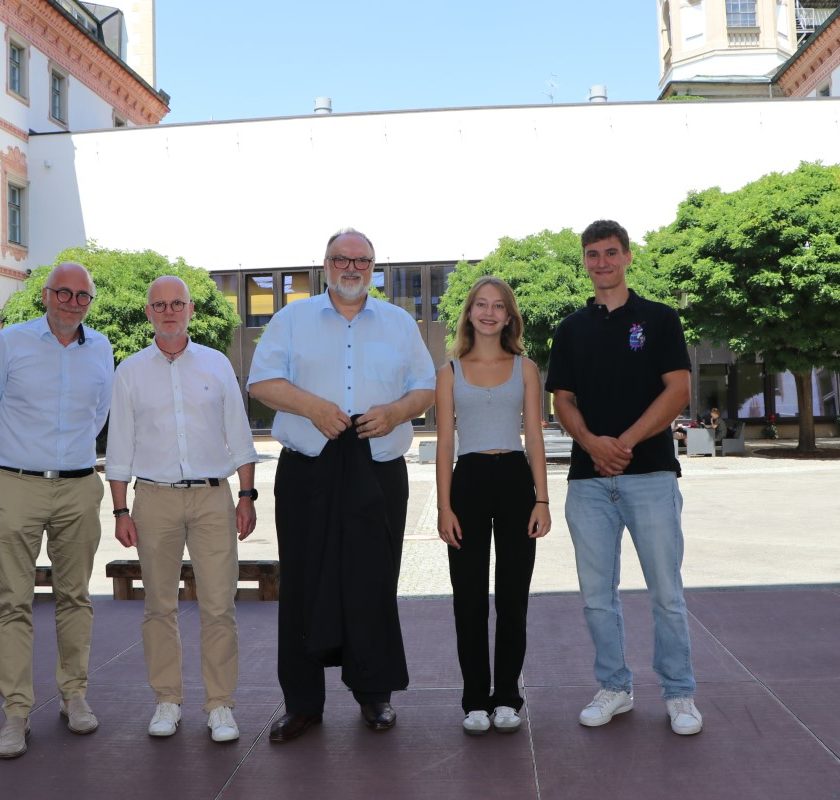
43 575
265 573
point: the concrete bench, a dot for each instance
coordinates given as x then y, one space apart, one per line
557 444
265 573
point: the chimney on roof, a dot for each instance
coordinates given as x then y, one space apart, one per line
598 93
323 105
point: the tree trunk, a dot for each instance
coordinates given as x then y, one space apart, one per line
804 396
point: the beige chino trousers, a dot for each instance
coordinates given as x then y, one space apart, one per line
68 509
202 518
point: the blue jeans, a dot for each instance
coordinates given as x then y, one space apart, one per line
597 511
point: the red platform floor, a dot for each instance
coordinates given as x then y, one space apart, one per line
767 663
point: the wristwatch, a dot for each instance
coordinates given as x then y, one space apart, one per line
252 493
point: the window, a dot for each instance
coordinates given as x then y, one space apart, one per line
58 96
740 14
824 90
18 61
259 296
15 208
119 122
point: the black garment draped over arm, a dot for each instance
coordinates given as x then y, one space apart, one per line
352 618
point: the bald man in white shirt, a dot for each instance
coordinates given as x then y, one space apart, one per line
178 426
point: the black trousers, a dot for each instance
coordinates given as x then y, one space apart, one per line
492 495
302 677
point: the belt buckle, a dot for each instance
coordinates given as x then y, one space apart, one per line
52 473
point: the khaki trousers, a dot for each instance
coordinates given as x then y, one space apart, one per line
68 509
203 519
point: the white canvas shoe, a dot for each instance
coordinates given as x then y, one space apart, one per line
477 723
604 706
223 727
685 718
166 719
506 719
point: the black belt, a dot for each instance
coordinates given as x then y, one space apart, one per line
53 473
184 484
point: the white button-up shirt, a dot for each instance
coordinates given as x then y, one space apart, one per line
373 359
53 399
178 420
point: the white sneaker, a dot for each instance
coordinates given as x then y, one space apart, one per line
166 719
506 719
476 723
685 718
604 706
223 727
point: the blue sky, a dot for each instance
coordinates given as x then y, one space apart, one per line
265 58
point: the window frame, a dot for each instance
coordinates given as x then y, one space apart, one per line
20 208
22 91
735 14
63 95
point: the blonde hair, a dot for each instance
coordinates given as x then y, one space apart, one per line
511 340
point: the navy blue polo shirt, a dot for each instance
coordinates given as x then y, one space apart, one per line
613 362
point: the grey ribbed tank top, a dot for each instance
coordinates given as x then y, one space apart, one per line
489 418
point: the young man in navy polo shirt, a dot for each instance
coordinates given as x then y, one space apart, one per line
620 372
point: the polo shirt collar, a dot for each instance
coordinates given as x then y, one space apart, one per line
632 303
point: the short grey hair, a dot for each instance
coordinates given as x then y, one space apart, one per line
346 232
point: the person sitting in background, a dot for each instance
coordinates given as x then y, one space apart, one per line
717 423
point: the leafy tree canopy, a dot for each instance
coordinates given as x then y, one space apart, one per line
122 279
760 267
546 273
760 270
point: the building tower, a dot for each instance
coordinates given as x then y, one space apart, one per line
731 48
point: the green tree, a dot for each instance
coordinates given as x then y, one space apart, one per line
760 270
546 273
122 278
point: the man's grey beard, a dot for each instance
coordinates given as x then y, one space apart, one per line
347 292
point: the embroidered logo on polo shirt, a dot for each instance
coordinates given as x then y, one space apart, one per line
637 336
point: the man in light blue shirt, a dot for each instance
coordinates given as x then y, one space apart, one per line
55 389
336 366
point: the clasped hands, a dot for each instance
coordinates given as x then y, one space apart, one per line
328 418
610 455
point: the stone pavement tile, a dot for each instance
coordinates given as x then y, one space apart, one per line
426 756
751 748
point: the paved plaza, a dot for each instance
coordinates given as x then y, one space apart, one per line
748 521
762 564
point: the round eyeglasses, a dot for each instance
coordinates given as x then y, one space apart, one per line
342 262
159 306
65 295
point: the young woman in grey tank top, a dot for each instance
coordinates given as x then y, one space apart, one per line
495 491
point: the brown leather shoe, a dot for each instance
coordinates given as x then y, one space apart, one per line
378 716
291 726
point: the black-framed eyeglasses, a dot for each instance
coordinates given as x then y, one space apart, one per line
159 306
342 262
64 295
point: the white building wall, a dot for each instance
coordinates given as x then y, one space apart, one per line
425 186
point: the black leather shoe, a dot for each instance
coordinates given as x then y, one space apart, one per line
290 726
378 716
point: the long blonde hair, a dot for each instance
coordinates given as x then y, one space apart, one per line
511 340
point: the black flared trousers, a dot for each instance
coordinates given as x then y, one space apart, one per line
492 496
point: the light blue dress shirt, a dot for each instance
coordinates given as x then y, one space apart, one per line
53 399
373 359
